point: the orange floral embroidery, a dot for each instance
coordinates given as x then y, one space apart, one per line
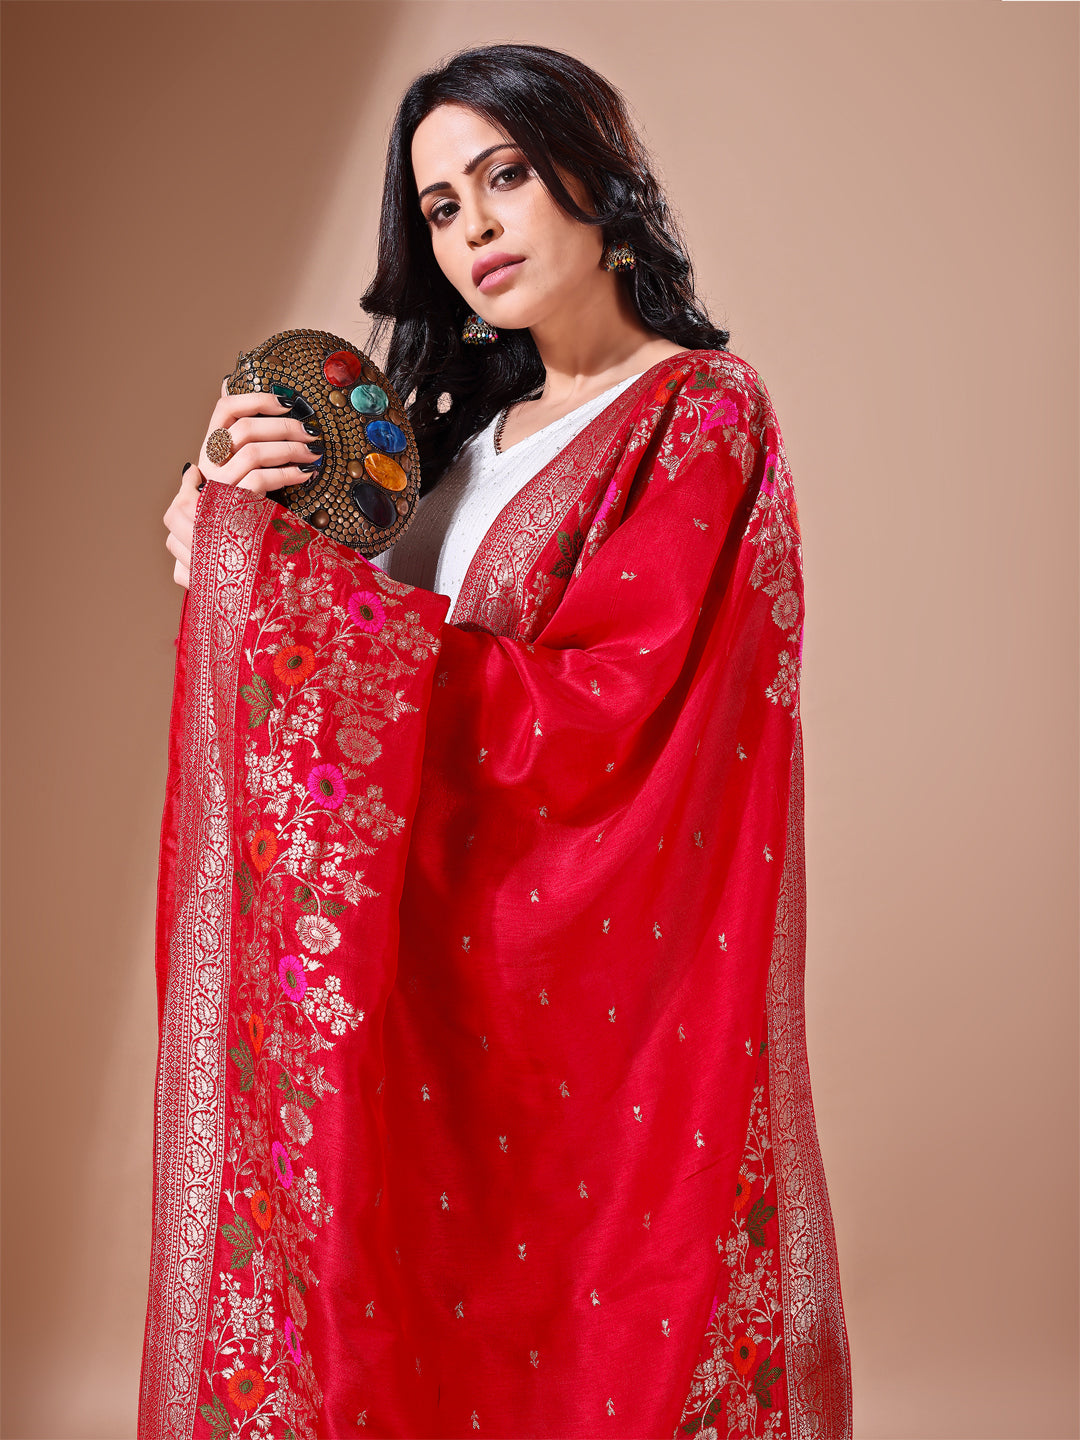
246 1389
263 850
742 1191
256 1031
293 664
743 1354
260 1209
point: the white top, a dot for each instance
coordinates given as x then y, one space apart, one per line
451 521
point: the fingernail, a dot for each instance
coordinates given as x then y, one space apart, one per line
312 428
187 467
310 469
317 448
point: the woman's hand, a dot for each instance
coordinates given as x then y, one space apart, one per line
269 452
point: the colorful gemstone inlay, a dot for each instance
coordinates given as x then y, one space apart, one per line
342 369
387 472
387 436
355 470
338 399
369 400
374 504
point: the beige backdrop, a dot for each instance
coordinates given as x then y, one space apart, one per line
882 203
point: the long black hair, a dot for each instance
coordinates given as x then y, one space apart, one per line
561 114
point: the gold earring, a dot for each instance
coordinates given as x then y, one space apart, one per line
618 256
476 331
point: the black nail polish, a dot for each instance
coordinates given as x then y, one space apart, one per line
187 467
312 428
317 448
310 469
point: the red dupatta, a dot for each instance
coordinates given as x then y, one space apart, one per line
483 1105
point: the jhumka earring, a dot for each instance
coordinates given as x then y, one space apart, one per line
618 256
476 331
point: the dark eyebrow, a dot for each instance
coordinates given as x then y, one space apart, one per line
470 167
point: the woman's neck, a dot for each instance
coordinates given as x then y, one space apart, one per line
594 340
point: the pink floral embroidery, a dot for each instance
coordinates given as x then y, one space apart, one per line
606 503
292 977
366 610
282 1164
724 413
326 785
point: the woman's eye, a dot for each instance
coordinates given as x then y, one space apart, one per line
508 174
441 212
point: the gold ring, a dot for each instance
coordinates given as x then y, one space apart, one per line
219 447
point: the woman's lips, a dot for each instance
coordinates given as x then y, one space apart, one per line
496 277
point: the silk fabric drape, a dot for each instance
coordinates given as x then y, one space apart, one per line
483 1105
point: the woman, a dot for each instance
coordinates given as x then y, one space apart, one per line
483 1100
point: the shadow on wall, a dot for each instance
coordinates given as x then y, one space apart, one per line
167 171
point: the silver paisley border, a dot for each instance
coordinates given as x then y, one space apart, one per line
818 1362
190 1100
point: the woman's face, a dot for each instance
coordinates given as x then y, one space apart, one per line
498 236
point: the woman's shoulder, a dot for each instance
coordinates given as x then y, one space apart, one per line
712 378
709 368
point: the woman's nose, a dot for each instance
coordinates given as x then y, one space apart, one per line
481 226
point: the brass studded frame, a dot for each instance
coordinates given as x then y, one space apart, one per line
295 358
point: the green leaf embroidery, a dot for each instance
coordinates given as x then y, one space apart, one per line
241 1237
261 700
759 1217
245 1062
570 547
292 1093
765 1378
704 381
217 1417
294 538
303 897
246 886
333 907
712 1414
294 1279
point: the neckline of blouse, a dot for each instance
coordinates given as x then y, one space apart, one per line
493 425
